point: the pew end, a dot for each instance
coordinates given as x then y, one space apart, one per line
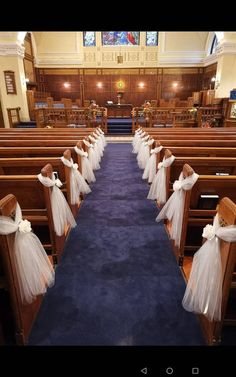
24 315
212 330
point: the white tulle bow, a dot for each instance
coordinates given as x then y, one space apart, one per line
158 187
203 293
156 150
77 182
61 213
34 271
209 232
87 171
88 144
24 226
151 165
174 207
80 152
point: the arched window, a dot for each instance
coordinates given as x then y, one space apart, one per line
214 45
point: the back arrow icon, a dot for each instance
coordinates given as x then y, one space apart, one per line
144 370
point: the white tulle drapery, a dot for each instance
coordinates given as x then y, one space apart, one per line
87 171
203 293
135 138
138 141
77 182
33 268
144 153
158 187
101 133
61 213
174 207
98 148
151 166
92 155
99 141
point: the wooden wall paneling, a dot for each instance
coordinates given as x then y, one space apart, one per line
158 83
208 73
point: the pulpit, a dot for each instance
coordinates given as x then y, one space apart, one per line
121 110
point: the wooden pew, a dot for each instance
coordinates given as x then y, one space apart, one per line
31 166
16 152
212 330
201 166
197 211
35 202
24 315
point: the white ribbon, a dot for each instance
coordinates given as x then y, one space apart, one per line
88 144
174 207
204 289
100 130
61 213
144 153
96 135
81 152
33 268
92 155
92 139
158 187
87 171
151 165
77 182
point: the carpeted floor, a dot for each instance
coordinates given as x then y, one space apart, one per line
118 282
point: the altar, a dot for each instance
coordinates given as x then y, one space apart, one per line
119 110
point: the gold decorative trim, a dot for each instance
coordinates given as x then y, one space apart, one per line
60 71
180 71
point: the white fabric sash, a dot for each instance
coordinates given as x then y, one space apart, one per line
88 144
80 152
158 187
102 136
87 171
137 141
98 147
77 182
151 166
204 289
93 155
144 153
61 212
33 268
174 207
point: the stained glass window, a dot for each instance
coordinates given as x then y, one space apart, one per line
118 38
89 38
151 38
214 45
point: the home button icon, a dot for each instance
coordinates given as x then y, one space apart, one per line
169 370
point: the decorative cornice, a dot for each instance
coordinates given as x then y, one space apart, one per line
173 58
226 48
12 49
210 59
42 62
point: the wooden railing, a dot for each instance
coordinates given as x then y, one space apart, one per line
64 117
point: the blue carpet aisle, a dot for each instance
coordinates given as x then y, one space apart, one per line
118 282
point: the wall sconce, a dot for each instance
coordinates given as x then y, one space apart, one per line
66 85
99 84
141 84
217 84
175 84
